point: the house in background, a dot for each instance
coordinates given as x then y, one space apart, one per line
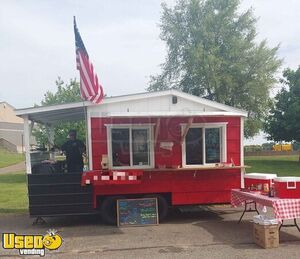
11 129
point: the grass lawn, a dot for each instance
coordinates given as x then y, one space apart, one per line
9 158
281 165
13 193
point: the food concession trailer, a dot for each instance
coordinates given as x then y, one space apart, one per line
171 145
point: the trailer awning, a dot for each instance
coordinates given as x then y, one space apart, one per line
55 113
150 104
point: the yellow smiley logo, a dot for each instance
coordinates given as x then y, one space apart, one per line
52 242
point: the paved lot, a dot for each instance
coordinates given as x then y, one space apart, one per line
191 233
13 168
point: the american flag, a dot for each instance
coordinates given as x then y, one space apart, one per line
90 89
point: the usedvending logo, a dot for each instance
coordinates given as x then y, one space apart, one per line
32 244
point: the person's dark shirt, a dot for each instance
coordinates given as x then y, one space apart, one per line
74 150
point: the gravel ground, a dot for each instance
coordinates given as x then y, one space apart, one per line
207 232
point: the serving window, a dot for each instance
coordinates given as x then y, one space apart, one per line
130 146
120 147
204 144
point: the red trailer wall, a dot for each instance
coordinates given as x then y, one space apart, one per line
169 130
185 187
190 186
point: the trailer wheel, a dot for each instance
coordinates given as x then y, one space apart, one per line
108 209
163 206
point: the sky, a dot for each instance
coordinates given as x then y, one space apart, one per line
121 37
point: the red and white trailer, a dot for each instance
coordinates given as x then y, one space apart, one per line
177 147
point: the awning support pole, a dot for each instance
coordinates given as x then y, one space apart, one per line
88 138
31 126
50 135
27 144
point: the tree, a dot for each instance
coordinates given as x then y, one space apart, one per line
65 93
283 122
212 52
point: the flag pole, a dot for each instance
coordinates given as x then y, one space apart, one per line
90 89
87 153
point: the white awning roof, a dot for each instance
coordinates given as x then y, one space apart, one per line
55 113
77 111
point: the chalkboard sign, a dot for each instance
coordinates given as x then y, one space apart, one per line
137 212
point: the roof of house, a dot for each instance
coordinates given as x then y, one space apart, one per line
6 103
7 114
155 104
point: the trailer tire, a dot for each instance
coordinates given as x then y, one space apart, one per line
108 209
163 206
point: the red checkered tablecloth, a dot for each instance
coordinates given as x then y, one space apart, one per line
283 208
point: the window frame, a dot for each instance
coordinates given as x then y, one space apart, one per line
148 126
223 142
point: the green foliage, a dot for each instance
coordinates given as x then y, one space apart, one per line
213 53
9 158
66 93
283 123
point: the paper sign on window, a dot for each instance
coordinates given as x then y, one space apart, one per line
167 145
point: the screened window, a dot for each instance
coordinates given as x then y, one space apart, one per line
131 146
204 145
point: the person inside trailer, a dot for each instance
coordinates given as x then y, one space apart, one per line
74 150
120 147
